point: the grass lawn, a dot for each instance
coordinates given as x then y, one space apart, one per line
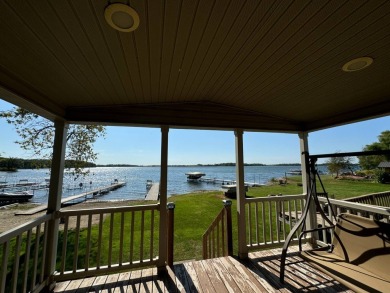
194 212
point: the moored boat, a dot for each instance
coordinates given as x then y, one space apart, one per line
16 196
194 175
295 172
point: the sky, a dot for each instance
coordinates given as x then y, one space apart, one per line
141 146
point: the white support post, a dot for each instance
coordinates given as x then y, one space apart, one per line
55 194
304 147
311 219
240 188
163 241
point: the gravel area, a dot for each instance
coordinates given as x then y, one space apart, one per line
8 219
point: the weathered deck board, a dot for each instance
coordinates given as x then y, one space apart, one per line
258 274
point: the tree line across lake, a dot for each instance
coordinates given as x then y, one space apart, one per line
13 164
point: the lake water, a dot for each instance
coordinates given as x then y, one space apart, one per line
135 178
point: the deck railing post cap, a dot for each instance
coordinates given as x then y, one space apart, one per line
227 202
170 205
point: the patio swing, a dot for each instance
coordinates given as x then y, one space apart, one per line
312 197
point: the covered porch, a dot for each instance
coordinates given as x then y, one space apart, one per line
225 65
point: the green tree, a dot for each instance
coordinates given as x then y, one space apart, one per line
372 162
337 164
37 137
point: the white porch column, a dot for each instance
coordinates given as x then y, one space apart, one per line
55 193
304 147
163 198
311 219
242 247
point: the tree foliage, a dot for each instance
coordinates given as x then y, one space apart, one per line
337 164
37 137
383 143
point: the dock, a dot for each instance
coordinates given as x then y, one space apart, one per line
229 182
81 196
154 192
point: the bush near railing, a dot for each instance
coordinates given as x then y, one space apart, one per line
271 218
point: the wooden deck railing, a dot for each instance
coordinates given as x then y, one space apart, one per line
23 256
341 206
218 239
106 240
378 199
271 218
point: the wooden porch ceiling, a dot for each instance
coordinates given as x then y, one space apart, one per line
266 65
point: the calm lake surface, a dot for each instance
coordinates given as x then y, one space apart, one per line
135 178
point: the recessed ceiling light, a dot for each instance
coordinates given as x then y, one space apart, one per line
121 17
357 64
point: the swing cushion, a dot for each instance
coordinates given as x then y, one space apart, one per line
367 243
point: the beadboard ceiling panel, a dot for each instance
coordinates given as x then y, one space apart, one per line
263 65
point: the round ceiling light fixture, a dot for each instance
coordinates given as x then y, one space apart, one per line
121 17
357 64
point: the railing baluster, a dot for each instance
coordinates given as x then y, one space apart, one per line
88 244
249 224
289 216
36 254
15 271
284 215
257 222
218 251
223 236
121 238
132 237
27 260
263 223
278 210
270 222
76 244
296 203
4 266
151 234
110 240
99 252
64 245
212 243
44 252
141 249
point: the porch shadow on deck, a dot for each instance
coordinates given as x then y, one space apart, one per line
258 274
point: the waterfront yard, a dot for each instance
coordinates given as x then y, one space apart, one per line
195 211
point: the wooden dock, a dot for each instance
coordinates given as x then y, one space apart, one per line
81 196
228 182
154 192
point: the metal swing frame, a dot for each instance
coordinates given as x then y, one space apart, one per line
312 196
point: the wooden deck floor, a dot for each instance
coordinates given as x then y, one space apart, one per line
259 274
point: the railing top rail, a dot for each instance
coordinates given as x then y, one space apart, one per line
4 237
358 206
276 198
109 210
368 195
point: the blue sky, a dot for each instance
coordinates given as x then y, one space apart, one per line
141 146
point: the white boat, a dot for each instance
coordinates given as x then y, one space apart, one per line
295 172
16 196
194 175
